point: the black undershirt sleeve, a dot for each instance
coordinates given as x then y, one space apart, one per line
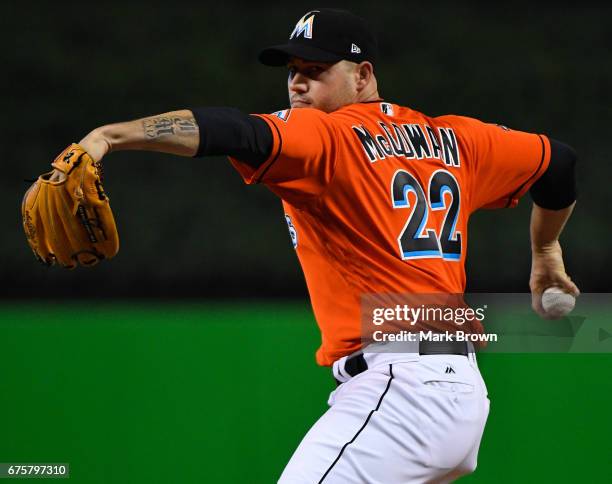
230 132
556 188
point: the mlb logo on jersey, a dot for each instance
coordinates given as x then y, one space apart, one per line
304 26
386 108
284 114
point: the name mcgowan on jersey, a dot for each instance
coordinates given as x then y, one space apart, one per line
410 141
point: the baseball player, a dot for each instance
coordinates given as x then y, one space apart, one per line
377 197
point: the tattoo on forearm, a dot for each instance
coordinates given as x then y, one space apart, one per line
157 127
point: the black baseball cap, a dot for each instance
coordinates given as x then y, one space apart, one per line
325 35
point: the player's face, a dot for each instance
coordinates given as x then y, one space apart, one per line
320 85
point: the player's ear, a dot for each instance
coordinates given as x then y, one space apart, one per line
365 71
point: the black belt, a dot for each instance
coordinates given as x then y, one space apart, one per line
356 363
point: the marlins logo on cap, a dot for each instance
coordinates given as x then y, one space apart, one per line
340 35
304 26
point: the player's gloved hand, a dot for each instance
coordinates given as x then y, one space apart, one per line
66 213
547 270
96 146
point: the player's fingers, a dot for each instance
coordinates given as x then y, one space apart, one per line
537 288
563 282
569 287
572 287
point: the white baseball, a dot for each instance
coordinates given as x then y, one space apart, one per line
557 303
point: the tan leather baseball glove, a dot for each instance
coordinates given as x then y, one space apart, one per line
66 214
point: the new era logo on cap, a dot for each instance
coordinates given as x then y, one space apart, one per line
355 49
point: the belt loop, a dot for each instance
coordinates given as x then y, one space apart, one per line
472 354
337 369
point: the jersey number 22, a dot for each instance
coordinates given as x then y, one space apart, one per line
413 242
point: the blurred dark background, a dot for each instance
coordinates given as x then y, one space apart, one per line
68 69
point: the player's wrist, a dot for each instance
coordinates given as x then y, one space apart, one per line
97 143
545 248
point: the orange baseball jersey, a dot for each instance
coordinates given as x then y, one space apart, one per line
378 196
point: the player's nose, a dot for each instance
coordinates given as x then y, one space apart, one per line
297 83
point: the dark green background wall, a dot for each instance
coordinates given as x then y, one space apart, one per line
68 69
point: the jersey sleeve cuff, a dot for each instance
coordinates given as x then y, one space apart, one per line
251 175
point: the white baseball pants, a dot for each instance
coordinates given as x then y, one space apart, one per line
408 418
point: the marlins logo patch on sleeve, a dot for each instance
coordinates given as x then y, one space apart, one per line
284 114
